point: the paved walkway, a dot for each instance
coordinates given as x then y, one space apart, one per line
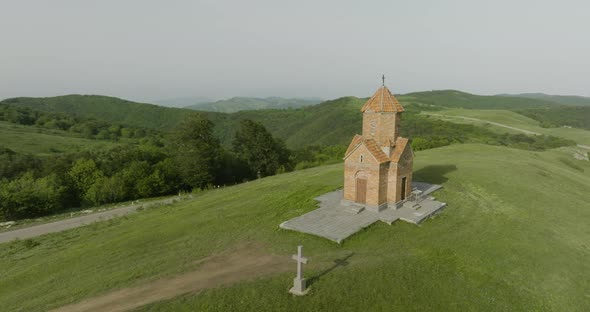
62 225
337 222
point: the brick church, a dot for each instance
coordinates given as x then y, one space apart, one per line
378 163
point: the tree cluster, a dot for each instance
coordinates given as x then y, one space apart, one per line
190 158
78 126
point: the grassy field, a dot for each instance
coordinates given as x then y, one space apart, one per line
37 141
513 238
512 119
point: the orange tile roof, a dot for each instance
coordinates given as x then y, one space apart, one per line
383 101
400 146
371 145
355 141
377 152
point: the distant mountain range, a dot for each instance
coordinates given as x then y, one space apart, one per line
236 104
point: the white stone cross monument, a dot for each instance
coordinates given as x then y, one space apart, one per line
299 288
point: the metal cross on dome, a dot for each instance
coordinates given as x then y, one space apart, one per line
383 78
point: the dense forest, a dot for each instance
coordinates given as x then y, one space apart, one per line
200 151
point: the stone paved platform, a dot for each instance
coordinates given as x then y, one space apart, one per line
336 221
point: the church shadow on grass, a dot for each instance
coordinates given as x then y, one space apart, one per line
434 174
337 263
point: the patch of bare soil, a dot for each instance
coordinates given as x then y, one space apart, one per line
246 263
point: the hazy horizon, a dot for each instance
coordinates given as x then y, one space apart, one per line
150 50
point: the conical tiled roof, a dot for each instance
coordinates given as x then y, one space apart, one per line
383 101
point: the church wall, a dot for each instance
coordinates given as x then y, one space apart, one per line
383 182
370 124
368 169
392 193
396 173
381 126
387 128
373 188
398 123
408 174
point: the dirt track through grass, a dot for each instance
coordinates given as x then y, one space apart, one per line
245 263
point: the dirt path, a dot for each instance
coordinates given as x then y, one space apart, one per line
486 121
62 225
243 264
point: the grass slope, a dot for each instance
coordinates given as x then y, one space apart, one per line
512 119
42 142
236 104
513 238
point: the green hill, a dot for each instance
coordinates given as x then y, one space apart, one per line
43 142
458 99
513 238
328 123
331 122
109 109
518 120
561 99
236 104
182 101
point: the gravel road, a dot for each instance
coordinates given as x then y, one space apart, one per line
62 225
490 122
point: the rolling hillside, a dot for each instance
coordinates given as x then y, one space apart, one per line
106 108
512 119
43 142
458 99
236 104
182 101
513 238
561 99
556 117
328 123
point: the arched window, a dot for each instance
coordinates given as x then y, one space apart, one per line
361 158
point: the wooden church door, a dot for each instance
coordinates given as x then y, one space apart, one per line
361 191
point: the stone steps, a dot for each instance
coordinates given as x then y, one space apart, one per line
355 209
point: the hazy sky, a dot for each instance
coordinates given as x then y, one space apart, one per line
144 50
